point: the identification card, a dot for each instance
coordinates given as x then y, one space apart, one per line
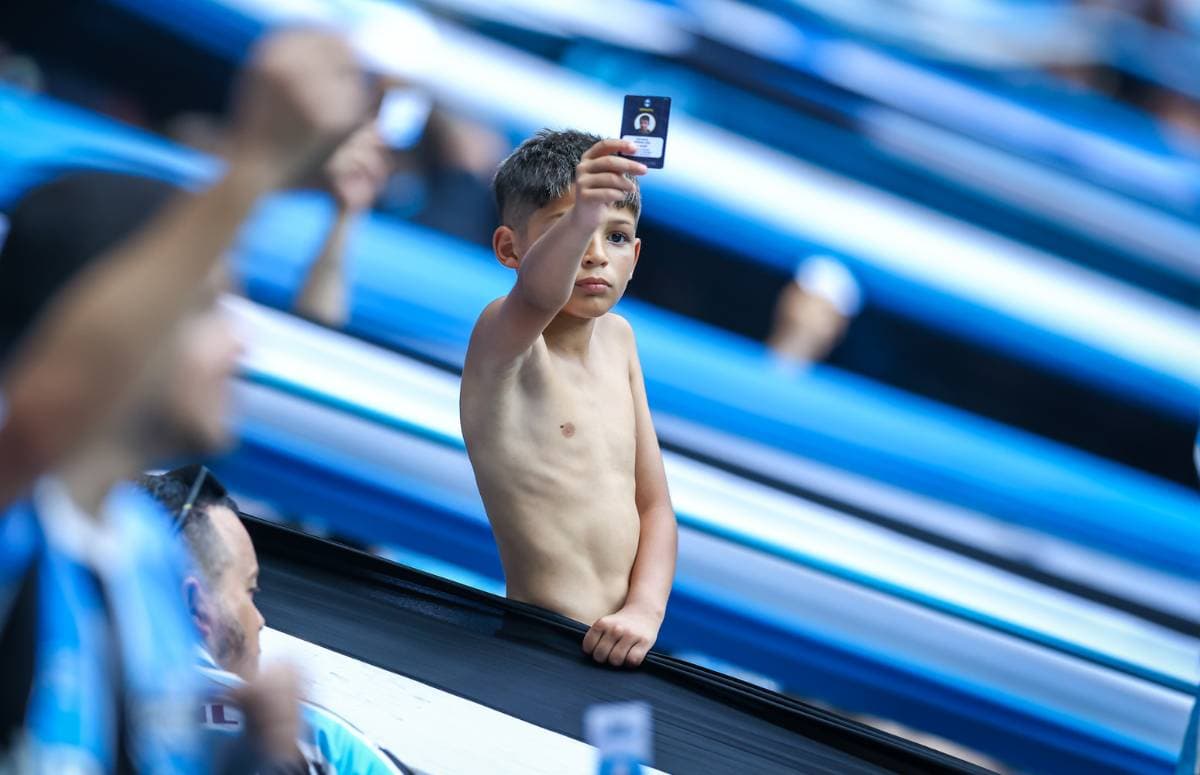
644 123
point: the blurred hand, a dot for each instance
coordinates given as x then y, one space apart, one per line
299 97
622 638
271 703
467 145
358 169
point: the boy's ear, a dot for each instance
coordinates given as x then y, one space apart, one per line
637 253
504 245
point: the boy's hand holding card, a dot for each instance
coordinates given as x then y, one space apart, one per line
644 123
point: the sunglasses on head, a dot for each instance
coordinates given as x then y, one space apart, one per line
193 494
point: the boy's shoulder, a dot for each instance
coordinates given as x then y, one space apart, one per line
617 330
489 311
615 325
481 361
483 322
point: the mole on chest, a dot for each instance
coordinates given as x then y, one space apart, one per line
568 429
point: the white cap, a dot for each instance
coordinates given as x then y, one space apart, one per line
828 278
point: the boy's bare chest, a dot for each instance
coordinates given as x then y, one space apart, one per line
578 413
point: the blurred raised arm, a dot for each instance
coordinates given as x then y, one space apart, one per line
300 96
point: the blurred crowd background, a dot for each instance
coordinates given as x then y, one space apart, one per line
1012 116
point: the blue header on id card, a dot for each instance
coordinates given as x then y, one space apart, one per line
644 123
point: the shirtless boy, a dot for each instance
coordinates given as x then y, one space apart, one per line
553 404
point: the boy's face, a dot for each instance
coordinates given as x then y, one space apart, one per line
607 263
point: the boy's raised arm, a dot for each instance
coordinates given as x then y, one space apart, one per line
547 272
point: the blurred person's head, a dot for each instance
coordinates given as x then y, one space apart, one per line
219 588
814 311
57 231
181 402
534 187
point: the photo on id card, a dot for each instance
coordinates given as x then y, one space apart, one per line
644 123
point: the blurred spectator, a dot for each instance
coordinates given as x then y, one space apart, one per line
443 180
92 553
130 365
418 163
355 174
814 311
222 581
89 556
76 357
219 594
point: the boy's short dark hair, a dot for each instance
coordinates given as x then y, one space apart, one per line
541 170
57 229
